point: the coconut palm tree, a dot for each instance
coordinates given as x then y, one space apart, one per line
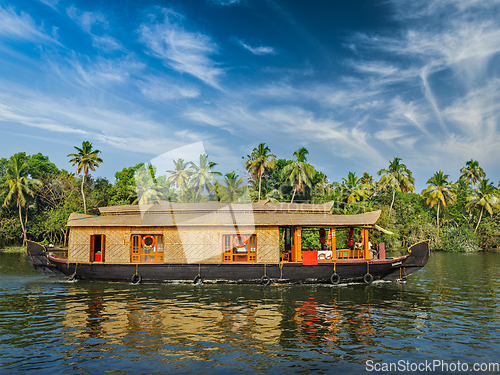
85 158
232 190
366 179
486 196
353 189
398 177
146 185
472 173
17 185
299 172
259 162
181 174
202 177
439 191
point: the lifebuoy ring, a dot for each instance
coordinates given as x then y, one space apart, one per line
368 278
237 242
153 241
335 278
197 279
136 279
264 280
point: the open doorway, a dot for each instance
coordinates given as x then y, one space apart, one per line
97 247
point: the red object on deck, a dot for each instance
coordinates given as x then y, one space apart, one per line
381 250
310 258
350 240
97 257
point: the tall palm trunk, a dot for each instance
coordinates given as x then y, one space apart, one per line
480 216
83 195
393 197
439 205
260 182
293 196
22 224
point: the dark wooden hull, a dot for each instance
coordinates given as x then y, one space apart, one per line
395 269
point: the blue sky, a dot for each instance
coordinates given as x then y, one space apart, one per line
355 82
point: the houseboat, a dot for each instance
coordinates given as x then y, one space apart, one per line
212 242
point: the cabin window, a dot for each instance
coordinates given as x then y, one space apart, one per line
147 248
239 248
97 247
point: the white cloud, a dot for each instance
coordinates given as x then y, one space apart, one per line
106 43
375 67
477 114
158 89
340 139
21 26
258 50
50 3
182 50
224 2
86 19
101 71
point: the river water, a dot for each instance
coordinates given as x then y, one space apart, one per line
448 312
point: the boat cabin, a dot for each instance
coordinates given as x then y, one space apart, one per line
216 233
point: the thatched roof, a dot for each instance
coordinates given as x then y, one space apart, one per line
263 213
206 207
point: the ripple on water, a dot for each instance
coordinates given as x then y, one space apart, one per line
450 311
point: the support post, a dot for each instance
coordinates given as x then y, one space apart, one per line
366 249
333 244
297 245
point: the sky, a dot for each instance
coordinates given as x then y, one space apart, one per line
355 82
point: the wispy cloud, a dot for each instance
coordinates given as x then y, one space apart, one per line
101 71
106 43
87 19
224 2
184 51
22 27
159 90
477 114
258 50
91 20
50 3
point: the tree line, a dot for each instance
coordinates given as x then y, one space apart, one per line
38 197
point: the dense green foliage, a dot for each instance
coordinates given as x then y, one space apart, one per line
455 216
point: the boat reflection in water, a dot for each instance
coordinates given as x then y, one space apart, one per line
201 322
449 310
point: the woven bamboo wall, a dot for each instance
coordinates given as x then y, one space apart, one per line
268 245
182 245
117 248
79 244
193 245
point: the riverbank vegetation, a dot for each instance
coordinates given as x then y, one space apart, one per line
37 196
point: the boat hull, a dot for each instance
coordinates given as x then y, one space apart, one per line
289 272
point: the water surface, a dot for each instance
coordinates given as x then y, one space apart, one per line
448 311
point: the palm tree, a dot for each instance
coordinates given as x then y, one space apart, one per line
260 162
146 185
85 158
299 172
202 177
181 174
439 191
231 190
472 173
398 177
353 189
366 179
486 196
18 185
